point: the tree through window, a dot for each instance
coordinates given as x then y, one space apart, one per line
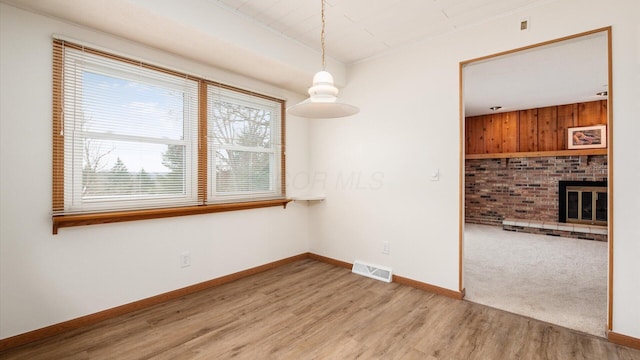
244 142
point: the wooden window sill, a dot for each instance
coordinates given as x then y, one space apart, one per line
511 155
120 216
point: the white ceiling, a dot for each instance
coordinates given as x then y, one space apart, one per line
566 72
360 29
278 41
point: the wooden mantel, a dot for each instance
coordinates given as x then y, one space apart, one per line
510 155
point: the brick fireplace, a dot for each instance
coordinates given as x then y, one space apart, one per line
526 188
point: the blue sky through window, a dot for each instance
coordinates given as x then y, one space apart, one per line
121 109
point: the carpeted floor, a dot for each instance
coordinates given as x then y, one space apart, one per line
558 280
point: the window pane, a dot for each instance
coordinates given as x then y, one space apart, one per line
119 168
244 145
243 171
125 107
130 135
237 124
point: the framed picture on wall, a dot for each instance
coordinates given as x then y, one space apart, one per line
587 137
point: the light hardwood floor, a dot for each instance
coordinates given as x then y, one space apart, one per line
313 310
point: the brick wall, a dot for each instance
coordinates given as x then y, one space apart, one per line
523 188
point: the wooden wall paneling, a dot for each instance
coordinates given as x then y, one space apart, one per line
474 135
531 130
528 130
604 112
567 118
547 128
510 131
493 133
592 113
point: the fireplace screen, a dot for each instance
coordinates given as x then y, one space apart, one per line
586 205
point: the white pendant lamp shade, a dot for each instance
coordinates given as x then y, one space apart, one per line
322 101
323 95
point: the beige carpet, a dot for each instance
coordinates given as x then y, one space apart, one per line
558 280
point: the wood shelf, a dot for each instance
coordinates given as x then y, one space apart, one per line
511 155
307 197
60 221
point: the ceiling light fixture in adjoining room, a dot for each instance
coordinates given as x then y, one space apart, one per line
323 101
495 108
604 92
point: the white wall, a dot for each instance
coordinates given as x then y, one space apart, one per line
409 125
47 279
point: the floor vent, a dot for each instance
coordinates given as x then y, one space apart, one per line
373 271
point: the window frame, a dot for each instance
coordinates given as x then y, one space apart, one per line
79 64
275 176
202 183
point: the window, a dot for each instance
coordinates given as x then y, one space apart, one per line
134 141
244 143
130 136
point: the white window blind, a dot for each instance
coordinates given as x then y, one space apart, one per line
244 146
130 135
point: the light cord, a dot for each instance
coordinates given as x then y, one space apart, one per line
322 35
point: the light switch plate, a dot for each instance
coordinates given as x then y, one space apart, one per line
435 174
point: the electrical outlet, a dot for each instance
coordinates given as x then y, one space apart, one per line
525 24
386 247
185 259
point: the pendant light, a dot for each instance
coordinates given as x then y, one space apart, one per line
322 101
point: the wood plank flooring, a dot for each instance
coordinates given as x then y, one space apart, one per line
313 310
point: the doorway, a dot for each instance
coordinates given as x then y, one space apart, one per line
516 111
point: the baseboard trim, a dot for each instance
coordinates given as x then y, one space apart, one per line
91 319
329 260
458 295
623 340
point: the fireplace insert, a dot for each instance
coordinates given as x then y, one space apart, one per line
583 202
